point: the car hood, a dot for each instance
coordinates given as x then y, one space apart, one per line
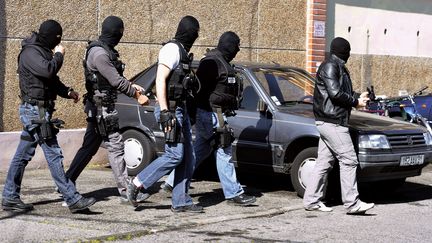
370 122
360 121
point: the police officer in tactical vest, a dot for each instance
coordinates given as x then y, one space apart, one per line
174 84
104 76
39 61
218 98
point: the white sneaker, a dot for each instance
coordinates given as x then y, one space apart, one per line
64 204
319 207
361 208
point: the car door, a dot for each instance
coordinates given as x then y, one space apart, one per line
253 130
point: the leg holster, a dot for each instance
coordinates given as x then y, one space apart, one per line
47 128
224 136
106 117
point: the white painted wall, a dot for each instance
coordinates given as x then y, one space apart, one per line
368 24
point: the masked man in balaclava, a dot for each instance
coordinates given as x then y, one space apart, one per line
104 77
333 100
173 72
217 99
39 61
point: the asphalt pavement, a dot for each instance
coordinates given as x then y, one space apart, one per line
277 216
109 219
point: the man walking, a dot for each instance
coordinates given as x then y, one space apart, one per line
39 61
333 100
104 77
217 99
172 73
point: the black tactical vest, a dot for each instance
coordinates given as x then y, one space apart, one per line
178 78
36 88
228 90
94 80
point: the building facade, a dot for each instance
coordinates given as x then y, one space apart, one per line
289 32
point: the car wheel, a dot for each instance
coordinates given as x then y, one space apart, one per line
138 151
301 169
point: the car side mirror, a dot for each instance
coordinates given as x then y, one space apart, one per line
261 106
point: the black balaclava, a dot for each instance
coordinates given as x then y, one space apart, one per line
187 31
112 31
50 33
341 48
229 45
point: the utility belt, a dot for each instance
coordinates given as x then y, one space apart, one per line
39 103
223 134
106 115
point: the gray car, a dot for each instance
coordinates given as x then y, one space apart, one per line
275 130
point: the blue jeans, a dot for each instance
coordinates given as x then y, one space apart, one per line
206 121
25 152
177 155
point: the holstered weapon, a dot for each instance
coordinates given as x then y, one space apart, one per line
106 117
47 129
224 135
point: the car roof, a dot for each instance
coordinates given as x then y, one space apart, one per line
256 65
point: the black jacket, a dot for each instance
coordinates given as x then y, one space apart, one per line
333 95
37 69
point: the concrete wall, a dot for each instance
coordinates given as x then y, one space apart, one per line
390 42
270 30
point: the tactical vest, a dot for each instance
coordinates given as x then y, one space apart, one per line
94 80
179 79
36 88
227 92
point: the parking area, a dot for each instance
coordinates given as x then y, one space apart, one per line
277 216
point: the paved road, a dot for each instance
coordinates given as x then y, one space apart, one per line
400 216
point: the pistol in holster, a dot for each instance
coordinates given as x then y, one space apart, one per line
48 129
106 117
224 136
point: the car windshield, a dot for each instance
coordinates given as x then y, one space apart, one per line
286 86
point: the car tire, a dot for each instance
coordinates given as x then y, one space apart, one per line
301 169
138 151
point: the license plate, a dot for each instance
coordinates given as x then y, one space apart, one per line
412 160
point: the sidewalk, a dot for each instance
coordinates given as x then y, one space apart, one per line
109 220
70 140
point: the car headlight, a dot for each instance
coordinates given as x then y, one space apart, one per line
373 142
428 138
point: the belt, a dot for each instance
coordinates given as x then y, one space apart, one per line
41 103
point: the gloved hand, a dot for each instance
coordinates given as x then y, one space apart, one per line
167 120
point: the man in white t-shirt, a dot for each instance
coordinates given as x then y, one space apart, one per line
173 68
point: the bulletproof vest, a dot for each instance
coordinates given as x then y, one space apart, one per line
33 87
94 80
228 90
178 80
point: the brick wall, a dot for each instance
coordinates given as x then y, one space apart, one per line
315 37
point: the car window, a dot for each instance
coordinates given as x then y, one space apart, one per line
250 97
286 85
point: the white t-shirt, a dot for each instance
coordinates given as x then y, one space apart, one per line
169 55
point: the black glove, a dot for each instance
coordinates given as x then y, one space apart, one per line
371 93
167 120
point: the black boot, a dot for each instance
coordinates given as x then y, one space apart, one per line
242 200
82 204
132 193
16 205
